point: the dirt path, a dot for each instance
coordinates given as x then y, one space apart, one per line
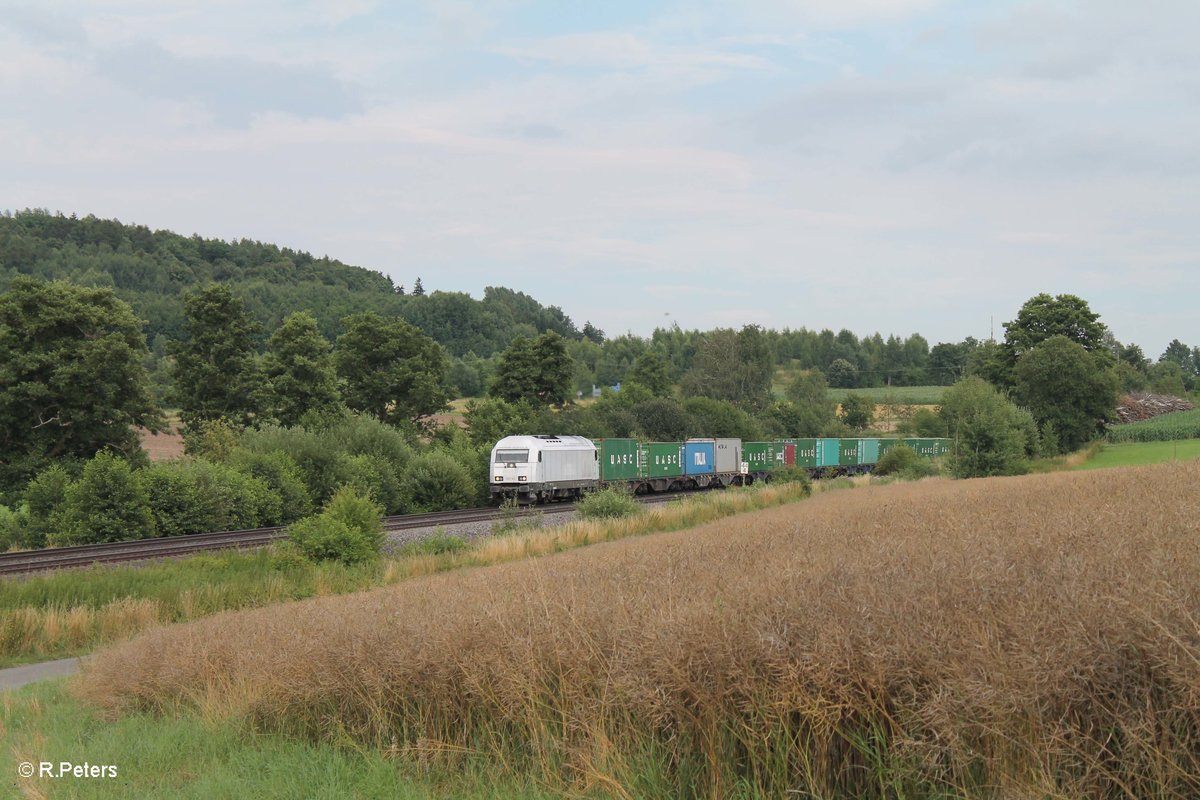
14 677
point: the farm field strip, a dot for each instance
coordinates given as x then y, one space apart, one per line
926 639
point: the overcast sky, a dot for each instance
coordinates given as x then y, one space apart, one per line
893 165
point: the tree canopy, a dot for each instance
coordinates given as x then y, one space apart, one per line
299 371
216 370
537 371
72 381
1067 388
390 369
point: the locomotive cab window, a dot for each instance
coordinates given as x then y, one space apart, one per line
512 456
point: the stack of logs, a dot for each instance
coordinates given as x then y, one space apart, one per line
1134 407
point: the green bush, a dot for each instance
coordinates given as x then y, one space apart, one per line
45 498
199 496
348 530
13 528
375 476
436 482
608 503
793 475
896 460
106 504
323 538
280 473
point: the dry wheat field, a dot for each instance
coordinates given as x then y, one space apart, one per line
1018 637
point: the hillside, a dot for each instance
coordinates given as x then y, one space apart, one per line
151 270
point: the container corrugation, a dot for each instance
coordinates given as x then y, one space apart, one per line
870 451
729 455
620 459
827 452
761 455
664 459
699 457
806 452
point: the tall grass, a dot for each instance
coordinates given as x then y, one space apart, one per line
1166 427
66 613
1023 637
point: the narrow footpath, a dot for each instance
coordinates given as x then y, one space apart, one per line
14 677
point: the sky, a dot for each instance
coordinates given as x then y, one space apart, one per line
897 166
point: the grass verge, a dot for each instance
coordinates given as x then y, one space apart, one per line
1139 453
69 613
192 757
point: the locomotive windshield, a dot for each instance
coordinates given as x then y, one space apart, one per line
512 456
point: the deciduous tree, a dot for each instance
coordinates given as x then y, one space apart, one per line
72 380
216 370
299 371
391 370
1067 387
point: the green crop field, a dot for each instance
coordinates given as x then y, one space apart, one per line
1135 453
903 395
1178 425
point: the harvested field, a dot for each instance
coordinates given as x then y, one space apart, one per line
1017 637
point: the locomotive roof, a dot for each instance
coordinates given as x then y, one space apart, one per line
545 442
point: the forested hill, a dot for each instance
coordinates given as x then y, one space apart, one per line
152 270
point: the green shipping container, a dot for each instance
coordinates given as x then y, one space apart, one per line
870 451
827 452
929 448
620 459
759 455
885 445
806 452
664 459
849 452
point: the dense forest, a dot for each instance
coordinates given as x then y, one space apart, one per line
152 270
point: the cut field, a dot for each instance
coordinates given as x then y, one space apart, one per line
1139 453
1031 637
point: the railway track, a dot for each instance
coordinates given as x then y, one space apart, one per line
29 561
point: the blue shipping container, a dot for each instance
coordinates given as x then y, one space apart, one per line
699 458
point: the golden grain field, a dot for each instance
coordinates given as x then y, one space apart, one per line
1017 637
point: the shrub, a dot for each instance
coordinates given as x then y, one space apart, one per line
897 459
436 482
199 496
348 530
323 538
608 504
13 529
374 476
106 504
45 497
280 473
793 475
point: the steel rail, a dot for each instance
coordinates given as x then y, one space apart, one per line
28 561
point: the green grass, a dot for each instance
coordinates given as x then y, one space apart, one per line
1138 453
188 757
66 613
1166 427
900 395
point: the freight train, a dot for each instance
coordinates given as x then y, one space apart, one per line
539 469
